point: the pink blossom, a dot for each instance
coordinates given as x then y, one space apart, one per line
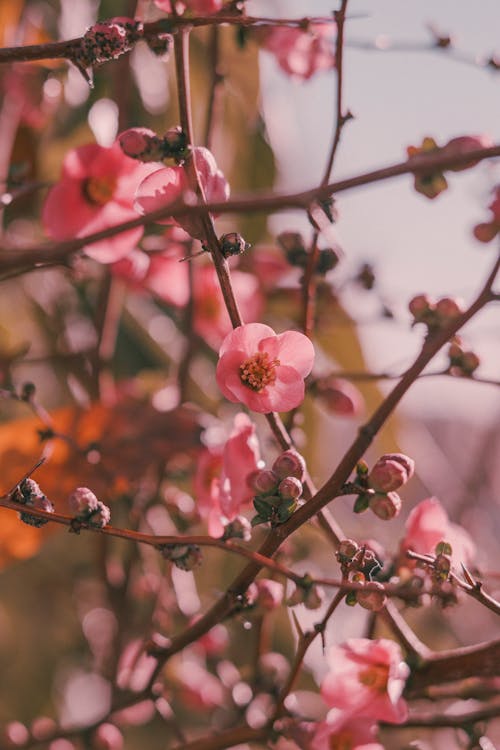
170 184
96 191
428 524
301 53
220 483
367 678
339 396
263 370
200 7
211 319
341 734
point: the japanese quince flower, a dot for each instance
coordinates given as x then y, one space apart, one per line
263 370
427 525
341 734
301 53
367 678
96 191
220 482
170 184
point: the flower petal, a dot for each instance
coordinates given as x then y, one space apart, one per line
292 348
246 338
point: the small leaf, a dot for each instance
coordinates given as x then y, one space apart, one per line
361 504
443 548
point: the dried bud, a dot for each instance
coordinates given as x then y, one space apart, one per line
290 488
470 362
142 144
100 517
294 247
442 567
390 472
463 144
175 143
366 277
238 528
346 551
309 595
448 308
372 598
29 493
290 464
264 481
327 260
233 244
104 41
184 556
420 307
83 503
160 44
386 505
28 390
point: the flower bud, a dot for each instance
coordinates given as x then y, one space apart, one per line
233 244
448 308
290 488
29 493
420 307
327 260
142 144
309 595
372 598
386 505
238 528
159 44
442 567
470 362
290 464
339 396
346 551
83 503
107 737
390 472
404 460
486 231
104 41
267 594
174 143
99 517
263 481
15 734
462 145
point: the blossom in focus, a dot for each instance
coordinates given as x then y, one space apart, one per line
302 52
341 734
211 319
427 525
96 191
263 370
367 678
170 184
220 483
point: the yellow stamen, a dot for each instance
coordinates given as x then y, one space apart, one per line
258 371
99 190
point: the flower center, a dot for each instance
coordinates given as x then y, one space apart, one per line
258 371
375 678
99 190
341 741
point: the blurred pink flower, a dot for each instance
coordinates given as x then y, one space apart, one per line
211 319
201 7
428 524
341 734
367 678
96 191
220 483
301 53
340 396
263 370
487 230
170 184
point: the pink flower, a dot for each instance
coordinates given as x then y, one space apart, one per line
367 678
301 53
200 7
170 184
263 370
342 734
428 524
211 319
96 191
220 484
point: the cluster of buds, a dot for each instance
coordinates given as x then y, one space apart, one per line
306 593
488 230
145 145
434 314
278 490
390 472
338 395
462 363
28 493
432 183
296 253
359 564
87 509
183 556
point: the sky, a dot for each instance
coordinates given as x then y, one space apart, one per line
398 98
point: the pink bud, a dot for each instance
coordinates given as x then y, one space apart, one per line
420 306
15 734
141 143
404 460
370 599
290 464
290 488
347 549
340 396
387 475
100 517
448 308
269 594
486 231
465 143
385 505
83 502
470 362
264 481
